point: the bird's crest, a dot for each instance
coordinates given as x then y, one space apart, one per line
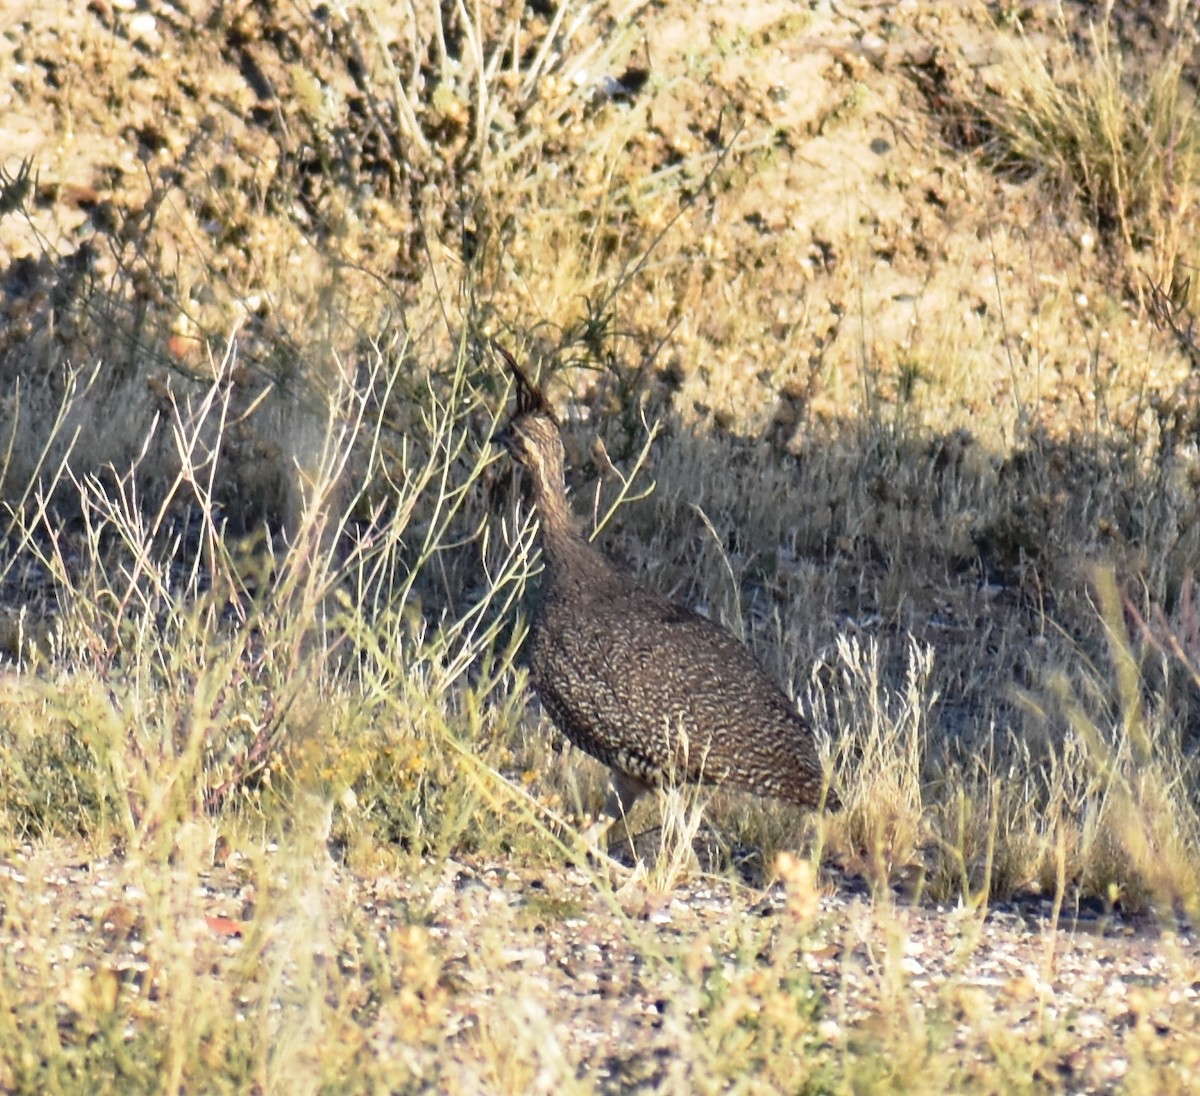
529 396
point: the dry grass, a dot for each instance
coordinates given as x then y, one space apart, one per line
263 573
1118 136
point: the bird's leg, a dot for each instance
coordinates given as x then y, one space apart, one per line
626 790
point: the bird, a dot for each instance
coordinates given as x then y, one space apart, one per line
653 690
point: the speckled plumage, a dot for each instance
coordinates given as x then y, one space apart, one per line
651 689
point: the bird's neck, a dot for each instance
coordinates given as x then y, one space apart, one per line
550 497
562 545
572 562
569 557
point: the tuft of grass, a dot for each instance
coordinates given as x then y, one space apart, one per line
882 745
1114 127
1135 841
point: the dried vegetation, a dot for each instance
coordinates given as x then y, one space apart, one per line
873 336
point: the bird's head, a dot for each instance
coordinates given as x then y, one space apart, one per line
531 439
531 436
